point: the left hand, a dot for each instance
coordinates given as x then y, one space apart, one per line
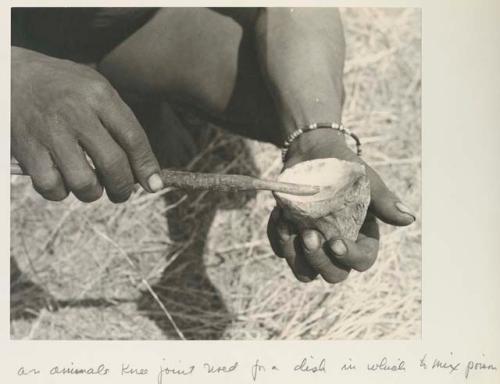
307 252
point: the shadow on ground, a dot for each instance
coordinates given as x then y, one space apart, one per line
28 298
195 304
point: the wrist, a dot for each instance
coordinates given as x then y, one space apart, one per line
316 144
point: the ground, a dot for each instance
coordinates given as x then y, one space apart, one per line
199 266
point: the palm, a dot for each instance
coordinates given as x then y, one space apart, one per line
308 253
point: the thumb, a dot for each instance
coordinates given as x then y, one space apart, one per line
385 204
124 127
145 166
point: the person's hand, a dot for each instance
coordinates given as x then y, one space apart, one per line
63 111
308 253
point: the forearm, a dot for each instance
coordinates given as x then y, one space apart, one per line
301 52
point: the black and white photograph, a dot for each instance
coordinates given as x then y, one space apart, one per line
215 173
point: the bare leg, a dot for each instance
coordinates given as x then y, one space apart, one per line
200 59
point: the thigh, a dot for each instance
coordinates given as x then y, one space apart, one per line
172 140
198 58
78 34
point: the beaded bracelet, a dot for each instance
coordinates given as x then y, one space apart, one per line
339 127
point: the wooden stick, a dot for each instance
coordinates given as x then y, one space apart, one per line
226 183
218 182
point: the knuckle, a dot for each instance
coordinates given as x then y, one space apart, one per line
118 180
284 230
50 187
114 161
86 188
133 138
336 277
98 92
58 195
318 260
365 264
90 196
141 155
278 248
84 184
301 272
278 237
47 183
304 278
99 88
276 244
288 244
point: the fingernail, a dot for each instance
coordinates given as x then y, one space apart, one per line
404 209
155 183
339 248
311 240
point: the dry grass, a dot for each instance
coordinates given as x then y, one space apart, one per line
99 271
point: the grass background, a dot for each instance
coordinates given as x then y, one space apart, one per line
199 265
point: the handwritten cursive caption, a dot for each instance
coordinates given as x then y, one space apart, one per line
307 366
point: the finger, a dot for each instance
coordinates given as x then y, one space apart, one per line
126 130
385 204
277 233
284 244
111 162
361 254
46 179
78 175
297 262
314 252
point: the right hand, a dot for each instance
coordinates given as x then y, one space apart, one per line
60 112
